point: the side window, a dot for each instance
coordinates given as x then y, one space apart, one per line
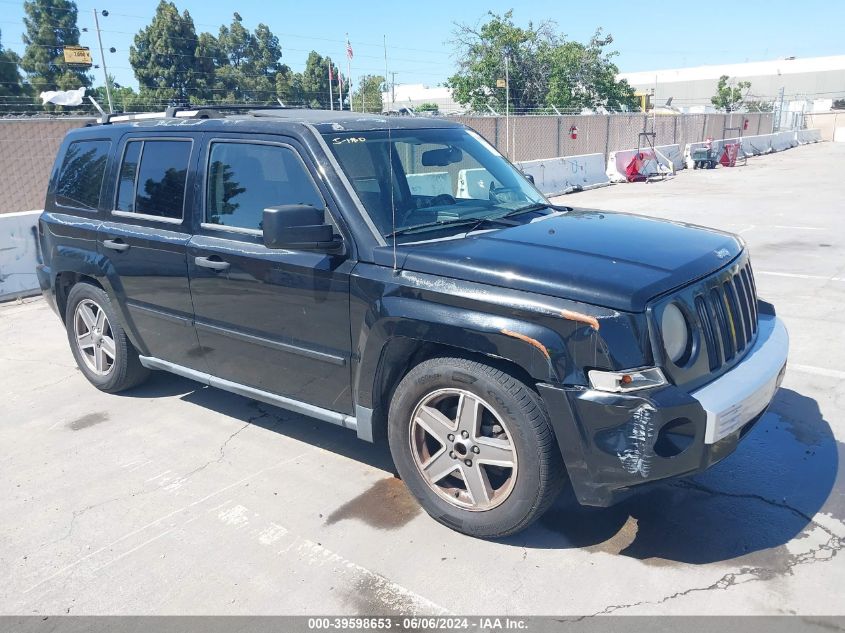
245 178
152 177
81 176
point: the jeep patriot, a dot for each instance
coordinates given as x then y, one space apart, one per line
400 278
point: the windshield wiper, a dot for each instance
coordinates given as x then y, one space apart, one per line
443 223
476 222
537 206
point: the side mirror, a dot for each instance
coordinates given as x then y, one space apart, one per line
299 227
529 178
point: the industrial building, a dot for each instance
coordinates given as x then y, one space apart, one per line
813 82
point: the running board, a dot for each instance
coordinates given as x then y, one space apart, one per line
326 415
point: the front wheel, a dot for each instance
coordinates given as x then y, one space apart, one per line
475 447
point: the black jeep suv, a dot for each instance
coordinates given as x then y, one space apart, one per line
399 277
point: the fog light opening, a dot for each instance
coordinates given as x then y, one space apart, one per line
674 437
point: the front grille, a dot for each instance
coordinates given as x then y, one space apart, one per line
728 316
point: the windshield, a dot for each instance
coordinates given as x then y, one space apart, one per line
442 181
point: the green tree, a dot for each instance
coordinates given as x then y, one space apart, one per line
481 58
368 96
289 87
124 98
209 58
315 81
11 88
164 56
584 76
729 97
50 26
249 62
427 107
759 106
543 68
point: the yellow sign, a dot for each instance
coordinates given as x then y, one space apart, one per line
77 55
500 83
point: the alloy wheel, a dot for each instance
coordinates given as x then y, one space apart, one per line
94 338
463 449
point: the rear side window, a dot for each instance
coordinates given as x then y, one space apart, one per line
81 176
245 178
152 177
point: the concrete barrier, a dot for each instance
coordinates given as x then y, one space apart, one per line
783 140
18 254
474 183
758 144
555 176
668 159
808 136
430 184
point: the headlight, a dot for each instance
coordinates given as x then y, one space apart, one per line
675 333
627 380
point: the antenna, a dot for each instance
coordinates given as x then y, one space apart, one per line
390 160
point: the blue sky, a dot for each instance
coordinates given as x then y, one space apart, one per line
648 35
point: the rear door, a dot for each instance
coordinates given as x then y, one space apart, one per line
145 238
276 320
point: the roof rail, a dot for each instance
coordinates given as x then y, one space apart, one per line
198 111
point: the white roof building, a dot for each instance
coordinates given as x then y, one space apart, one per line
811 79
414 95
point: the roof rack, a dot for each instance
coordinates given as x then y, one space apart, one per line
197 112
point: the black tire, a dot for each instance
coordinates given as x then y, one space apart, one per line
126 370
540 475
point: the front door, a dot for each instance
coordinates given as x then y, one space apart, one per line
275 320
145 240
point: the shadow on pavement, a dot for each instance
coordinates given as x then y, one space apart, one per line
305 429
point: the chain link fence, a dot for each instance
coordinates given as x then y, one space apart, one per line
537 137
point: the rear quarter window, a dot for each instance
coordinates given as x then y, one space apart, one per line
81 174
152 177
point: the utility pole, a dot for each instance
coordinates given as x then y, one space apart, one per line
392 87
103 58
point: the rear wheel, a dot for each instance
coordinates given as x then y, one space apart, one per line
99 344
475 446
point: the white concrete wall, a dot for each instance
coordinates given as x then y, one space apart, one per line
554 176
18 254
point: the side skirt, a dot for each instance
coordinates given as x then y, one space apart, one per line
341 419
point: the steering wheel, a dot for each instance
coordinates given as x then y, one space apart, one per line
506 194
442 198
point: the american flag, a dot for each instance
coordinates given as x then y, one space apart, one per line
348 49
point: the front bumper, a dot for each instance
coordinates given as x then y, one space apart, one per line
612 443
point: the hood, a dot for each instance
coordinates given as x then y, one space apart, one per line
614 260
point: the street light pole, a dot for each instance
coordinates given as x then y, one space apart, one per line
103 60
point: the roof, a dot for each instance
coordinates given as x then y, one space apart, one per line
265 119
748 69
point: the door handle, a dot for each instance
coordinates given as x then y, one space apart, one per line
116 245
205 262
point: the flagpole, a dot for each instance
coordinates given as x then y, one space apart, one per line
385 69
340 88
349 74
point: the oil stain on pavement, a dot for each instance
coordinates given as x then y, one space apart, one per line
386 505
87 420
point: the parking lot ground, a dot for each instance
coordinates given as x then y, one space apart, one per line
180 499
